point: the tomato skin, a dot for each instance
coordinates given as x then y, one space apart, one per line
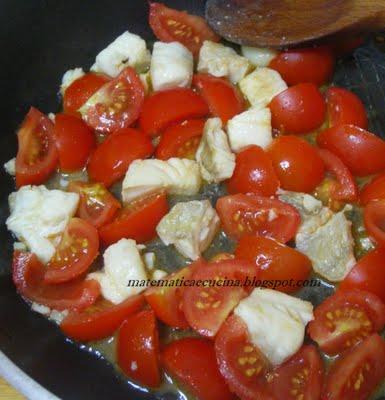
374 220
374 190
138 341
314 64
297 164
161 109
223 98
35 136
28 274
361 151
299 109
183 359
100 320
275 261
111 158
344 107
253 173
346 45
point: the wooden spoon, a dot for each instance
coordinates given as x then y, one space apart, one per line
279 23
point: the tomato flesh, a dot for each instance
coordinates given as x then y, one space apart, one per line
374 220
374 190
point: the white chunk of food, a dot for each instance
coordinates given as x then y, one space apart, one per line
159 274
69 77
258 56
10 167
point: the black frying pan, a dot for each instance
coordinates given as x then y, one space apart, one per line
40 40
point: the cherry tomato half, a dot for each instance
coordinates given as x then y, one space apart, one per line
374 190
374 219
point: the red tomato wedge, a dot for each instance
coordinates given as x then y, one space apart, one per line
137 220
81 90
97 205
299 109
116 104
100 320
223 98
297 164
356 374
183 360
171 25
111 158
207 307
361 151
28 276
374 190
181 140
345 319
74 141
300 377
344 107
37 156
243 214
374 219
275 261
167 107
315 65
138 348
253 173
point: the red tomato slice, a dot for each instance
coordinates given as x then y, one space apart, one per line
344 107
137 220
275 261
359 371
181 140
72 133
315 65
112 158
299 109
300 377
374 219
28 276
297 164
207 307
374 190
171 25
97 205
100 320
183 360
361 151
167 107
76 252
37 156
224 99
345 319
243 214
138 348
253 173
116 104
81 90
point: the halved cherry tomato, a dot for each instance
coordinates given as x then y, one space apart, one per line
243 214
37 155
358 372
206 307
300 377
171 25
275 261
100 320
97 205
167 107
181 140
314 64
116 104
253 173
374 219
344 107
345 45
28 276
137 220
111 159
346 318
299 109
74 141
138 348
77 250
223 98
81 90
183 359
297 164
361 151
374 190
